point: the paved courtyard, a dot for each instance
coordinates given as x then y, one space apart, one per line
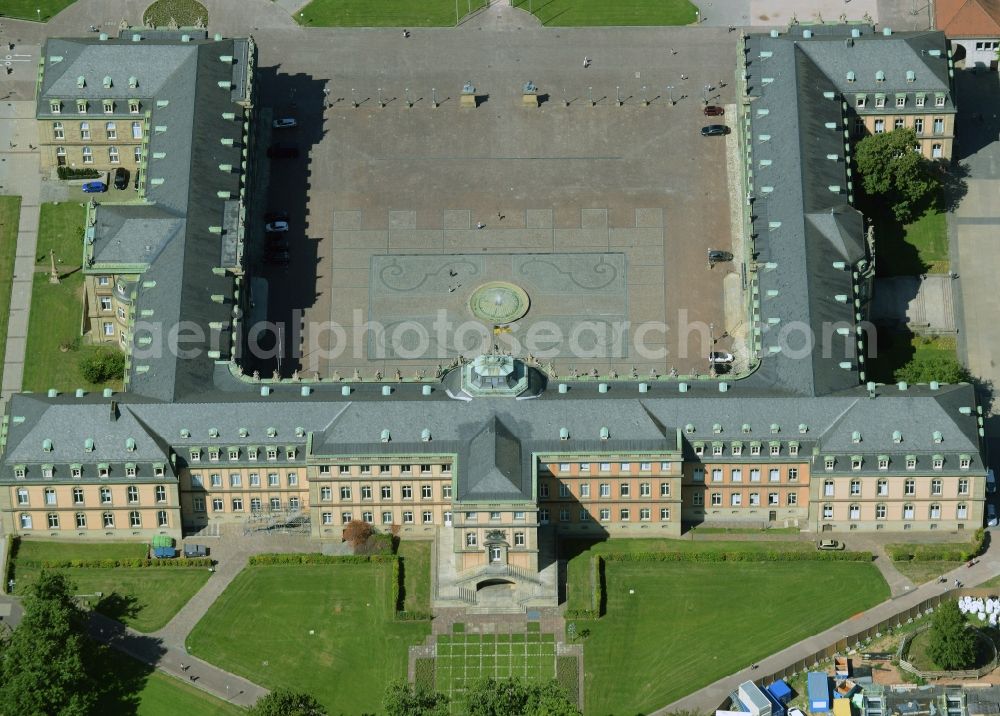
624 201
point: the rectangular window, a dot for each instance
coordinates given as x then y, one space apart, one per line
897 123
426 492
605 489
774 475
105 495
717 474
828 488
112 130
879 126
136 130
407 492
716 499
50 497
88 155
963 486
664 489
235 479
84 131
644 514
859 101
736 475
199 504
137 156
880 102
133 106
584 467
216 480
326 493
735 499
901 101
624 489
625 467
81 521
109 106
217 504
57 131
919 100
918 124
939 125
664 514
793 499
696 499
254 479
645 466
605 515
698 474
755 474
519 539
426 517
755 499
624 514
109 520
161 493
366 492
446 491
471 539
605 467
793 474
563 490
345 492
939 100
273 480
255 504
585 490
77 495
564 515
827 512
345 517
237 504
772 499
387 517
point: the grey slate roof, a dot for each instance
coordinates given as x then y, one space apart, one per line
133 235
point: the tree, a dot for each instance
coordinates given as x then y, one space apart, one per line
357 532
889 167
103 364
42 664
924 369
401 699
515 697
952 643
285 702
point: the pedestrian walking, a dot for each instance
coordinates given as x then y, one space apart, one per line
586 62
499 216
684 77
480 225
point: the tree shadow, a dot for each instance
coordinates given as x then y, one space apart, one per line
120 607
954 186
120 680
889 348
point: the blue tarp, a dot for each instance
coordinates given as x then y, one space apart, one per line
818 686
780 691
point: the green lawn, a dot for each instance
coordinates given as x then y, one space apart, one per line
920 572
323 629
464 658
28 9
10 210
184 12
60 228
385 13
575 13
57 309
689 624
37 551
416 575
916 248
144 598
132 687
578 552
897 349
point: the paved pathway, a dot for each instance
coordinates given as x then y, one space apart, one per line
18 172
707 699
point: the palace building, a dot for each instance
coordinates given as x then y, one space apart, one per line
496 456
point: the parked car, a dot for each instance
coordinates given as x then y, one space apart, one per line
276 226
714 111
276 216
277 245
720 357
284 123
991 482
276 235
195 550
279 258
714 130
283 151
991 515
94 187
829 544
715 256
121 178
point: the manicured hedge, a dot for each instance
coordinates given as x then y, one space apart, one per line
961 552
77 173
423 674
267 559
568 676
597 595
8 565
109 563
739 556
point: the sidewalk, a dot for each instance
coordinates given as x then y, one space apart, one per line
709 698
19 171
176 662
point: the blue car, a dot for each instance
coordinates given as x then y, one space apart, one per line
95 187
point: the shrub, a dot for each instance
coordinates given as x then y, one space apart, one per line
954 552
738 556
313 558
103 364
77 173
128 562
357 532
952 643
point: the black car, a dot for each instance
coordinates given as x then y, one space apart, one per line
121 178
283 150
277 246
716 256
276 216
279 258
714 130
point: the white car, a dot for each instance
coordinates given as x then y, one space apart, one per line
276 226
991 515
285 123
720 357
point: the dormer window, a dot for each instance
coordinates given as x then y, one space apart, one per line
901 100
699 449
755 448
103 471
716 449
109 106
234 453
195 455
793 449
737 449
157 470
19 472
775 448
937 462
883 462
213 454
272 453
133 106
81 106
252 453
76 472
55 106
939 100
964 462
130 470
919 100
290 452
829 462
859 100
911 462
47 471
856 462
879 101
